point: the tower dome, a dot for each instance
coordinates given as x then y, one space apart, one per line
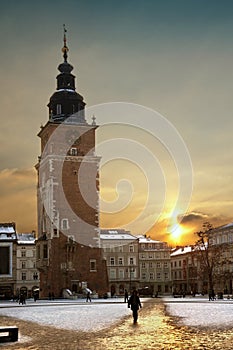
65 101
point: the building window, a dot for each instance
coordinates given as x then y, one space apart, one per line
143 275
112 274
158 265
35 276
55 231
131 248
92 265
151 264
151 276
45 251
23 276
166 276
120 261
23 253
150 256
112 261
120 248
121 274
143 265
166 264
73 151
158 275
23 264
64 224
131 261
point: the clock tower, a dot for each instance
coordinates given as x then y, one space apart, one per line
68 245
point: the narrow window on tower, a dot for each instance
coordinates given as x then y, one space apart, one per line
58 108
73 151
64 224
92 265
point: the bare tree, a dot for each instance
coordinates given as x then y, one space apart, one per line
209 254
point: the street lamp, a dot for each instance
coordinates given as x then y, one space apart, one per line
130 270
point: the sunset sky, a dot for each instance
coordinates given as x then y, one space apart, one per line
172 56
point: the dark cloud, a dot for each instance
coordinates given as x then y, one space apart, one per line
192 217
196 219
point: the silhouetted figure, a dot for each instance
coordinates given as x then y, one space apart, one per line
22 299
126 296
134 303
88 296
212 295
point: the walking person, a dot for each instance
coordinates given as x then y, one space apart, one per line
134 303
126 296
88 296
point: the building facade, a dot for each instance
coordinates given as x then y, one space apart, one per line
185 268
154 265
18 273
68 245
8 245
120 250
136 262
27 275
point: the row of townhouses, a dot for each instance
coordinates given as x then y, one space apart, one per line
18 272
133 262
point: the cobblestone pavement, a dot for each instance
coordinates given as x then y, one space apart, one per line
155 330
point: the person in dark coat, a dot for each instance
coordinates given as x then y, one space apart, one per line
126 296
134 303
88 296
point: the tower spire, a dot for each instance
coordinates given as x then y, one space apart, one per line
65 48
65 101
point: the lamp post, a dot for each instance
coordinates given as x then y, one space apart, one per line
130 270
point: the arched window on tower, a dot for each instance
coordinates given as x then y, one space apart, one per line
64 224
58 108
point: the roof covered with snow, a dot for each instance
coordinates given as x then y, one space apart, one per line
182 250
116 235
7 231
25 238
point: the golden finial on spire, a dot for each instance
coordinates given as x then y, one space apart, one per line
65 48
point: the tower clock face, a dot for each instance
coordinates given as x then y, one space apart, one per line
73 137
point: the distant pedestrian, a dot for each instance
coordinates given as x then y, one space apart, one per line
22 299
88 297
134 303
126 296
212 295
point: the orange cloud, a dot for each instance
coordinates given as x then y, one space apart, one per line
18 198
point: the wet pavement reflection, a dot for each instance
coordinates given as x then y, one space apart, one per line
156 330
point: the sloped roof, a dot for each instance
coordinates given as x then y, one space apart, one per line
7 231
182 250
25 238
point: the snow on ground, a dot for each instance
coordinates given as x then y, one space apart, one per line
101 313
201 312
74 315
